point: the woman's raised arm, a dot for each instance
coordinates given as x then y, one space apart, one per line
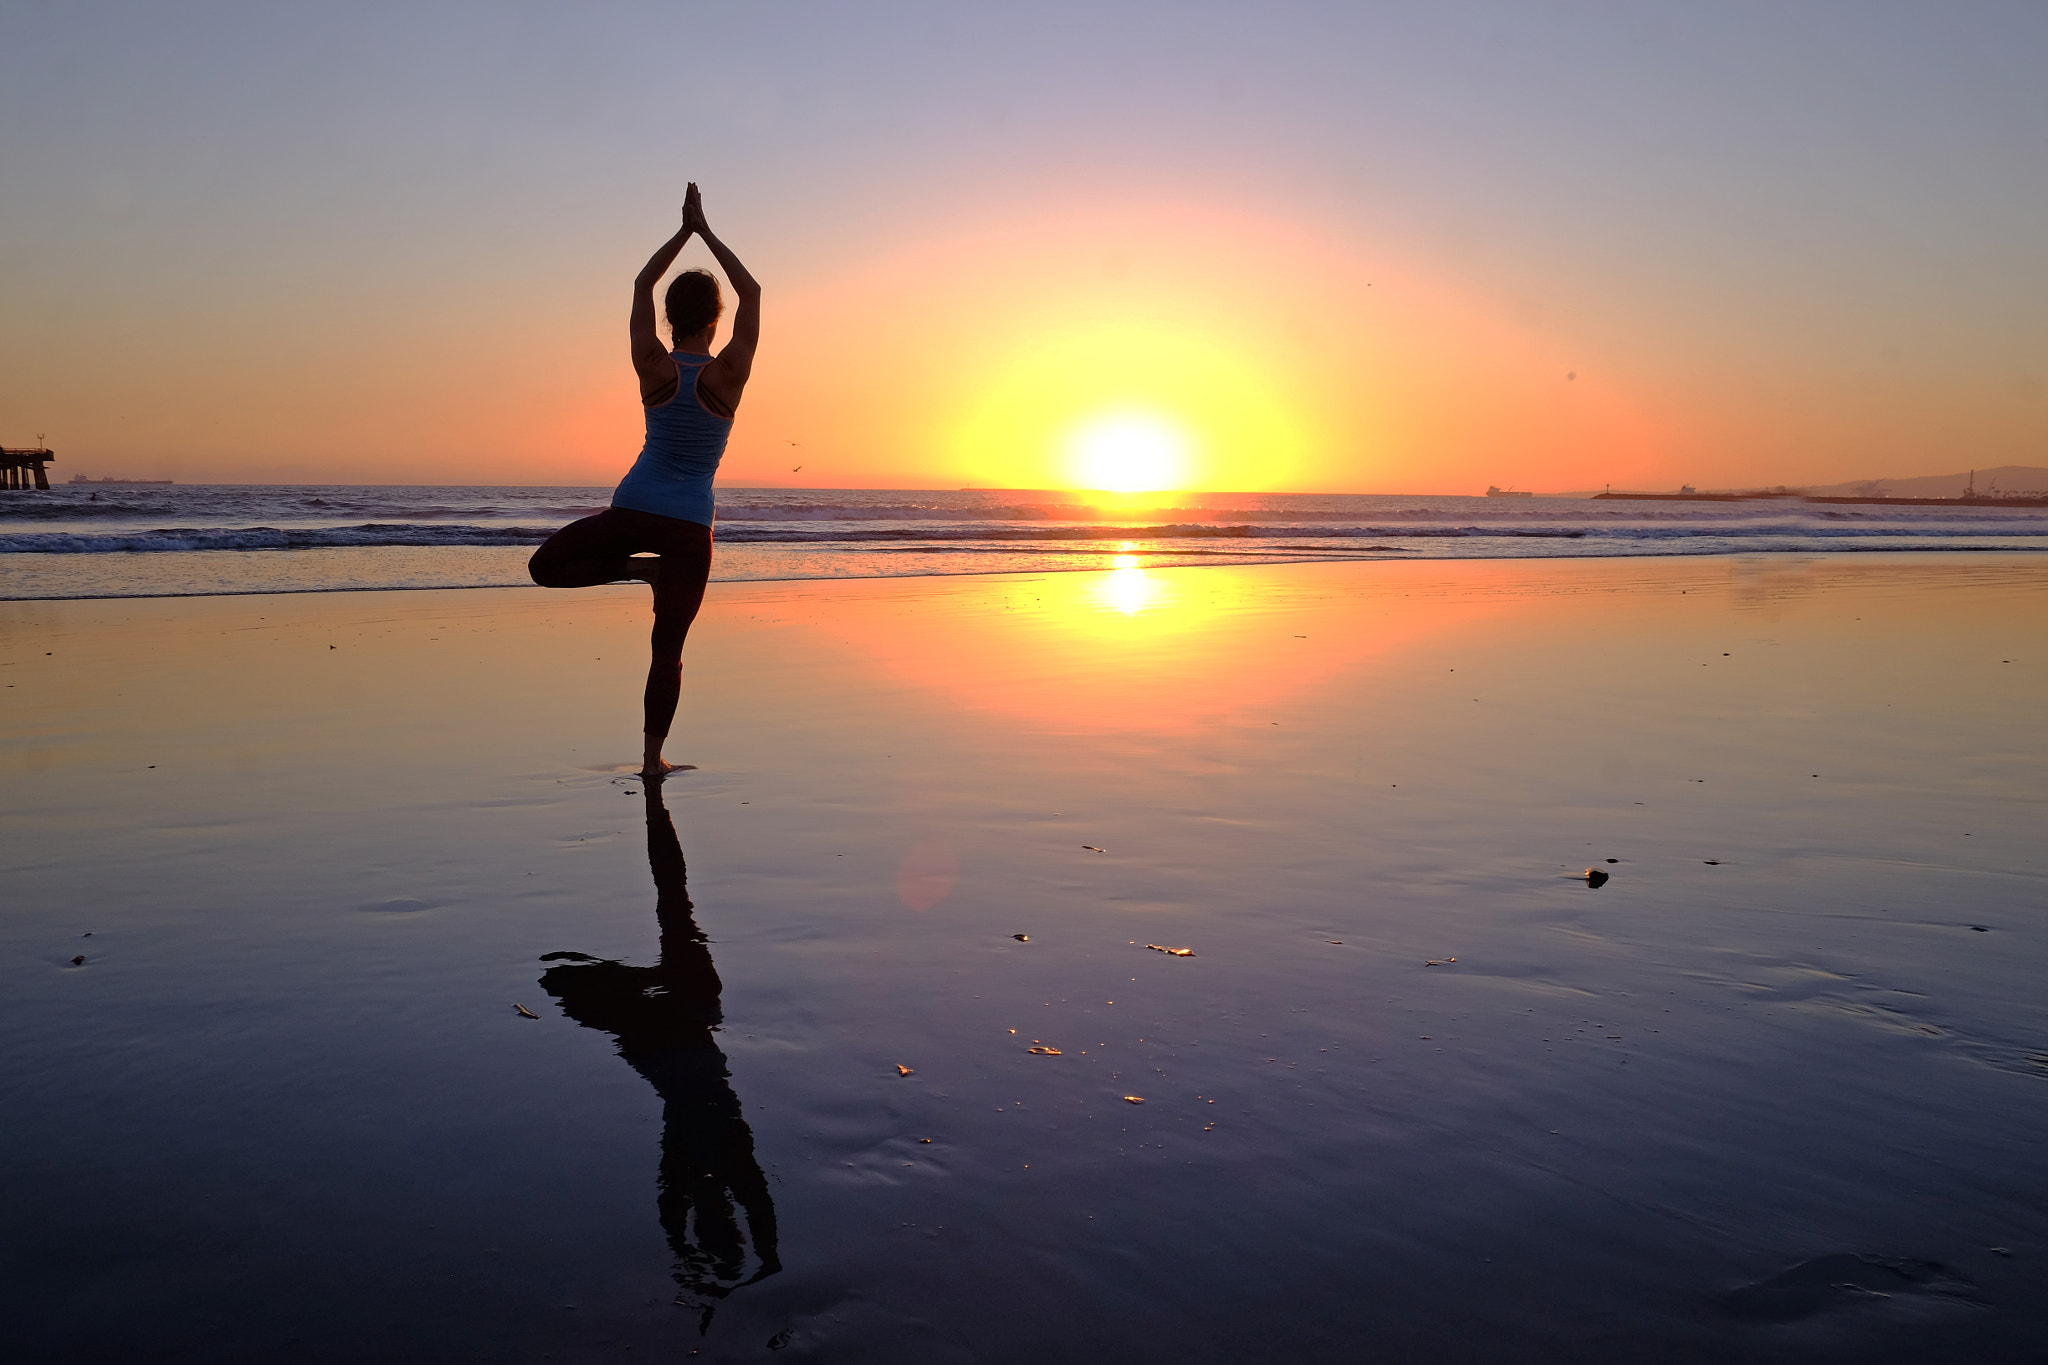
726 377
650 358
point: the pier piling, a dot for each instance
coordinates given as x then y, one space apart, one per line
23 469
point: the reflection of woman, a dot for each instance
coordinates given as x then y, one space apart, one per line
663 506
662 1017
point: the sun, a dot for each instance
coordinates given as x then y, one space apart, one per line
1126 407
1128 453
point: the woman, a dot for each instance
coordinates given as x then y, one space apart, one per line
663 506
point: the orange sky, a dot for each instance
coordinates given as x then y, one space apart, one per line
1282 354
1285 358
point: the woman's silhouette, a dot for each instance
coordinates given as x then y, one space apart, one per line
662 1017
663 506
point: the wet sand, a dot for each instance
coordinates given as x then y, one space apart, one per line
1776 1091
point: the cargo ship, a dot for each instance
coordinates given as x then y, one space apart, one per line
1493 492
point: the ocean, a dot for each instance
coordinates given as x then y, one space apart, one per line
97 541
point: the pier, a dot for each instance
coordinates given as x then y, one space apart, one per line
24 468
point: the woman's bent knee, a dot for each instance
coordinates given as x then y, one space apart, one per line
547 569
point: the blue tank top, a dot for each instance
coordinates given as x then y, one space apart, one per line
685 441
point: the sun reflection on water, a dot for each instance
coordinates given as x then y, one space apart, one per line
1126 588
1137 649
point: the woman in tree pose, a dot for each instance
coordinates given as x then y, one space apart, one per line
663 506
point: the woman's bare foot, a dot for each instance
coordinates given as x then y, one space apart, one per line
652 766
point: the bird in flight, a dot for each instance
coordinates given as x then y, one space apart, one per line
796 469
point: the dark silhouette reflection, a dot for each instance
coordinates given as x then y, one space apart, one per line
662 1017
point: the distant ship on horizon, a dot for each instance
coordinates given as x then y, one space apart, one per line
80 478
1495 492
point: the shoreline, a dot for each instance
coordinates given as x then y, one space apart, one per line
1224 561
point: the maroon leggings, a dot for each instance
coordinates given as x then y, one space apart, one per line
600 549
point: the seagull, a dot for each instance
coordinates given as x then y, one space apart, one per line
796 469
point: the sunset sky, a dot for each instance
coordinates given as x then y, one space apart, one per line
1315 247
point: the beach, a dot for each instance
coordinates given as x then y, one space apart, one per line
1156 964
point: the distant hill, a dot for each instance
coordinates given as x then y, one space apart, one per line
2006 478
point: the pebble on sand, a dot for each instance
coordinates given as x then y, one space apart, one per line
902 1070
1595 877
527 1013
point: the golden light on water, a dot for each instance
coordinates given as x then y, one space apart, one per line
1126 587
1133 650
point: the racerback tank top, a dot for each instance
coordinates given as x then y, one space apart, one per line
685 442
